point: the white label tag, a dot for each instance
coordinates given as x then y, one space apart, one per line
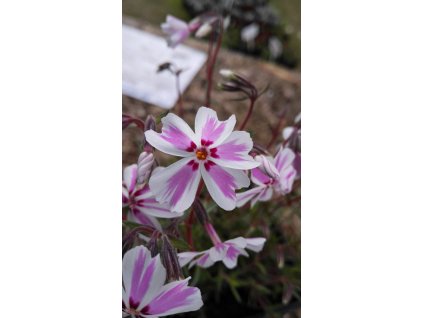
142 54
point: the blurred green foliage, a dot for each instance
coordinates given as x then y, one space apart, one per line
289 30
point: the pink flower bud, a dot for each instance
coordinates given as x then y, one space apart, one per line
267 166
170 260
145 164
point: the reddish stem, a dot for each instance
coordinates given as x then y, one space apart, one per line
190 220
276 131
180 103
188 223
247 117
212 62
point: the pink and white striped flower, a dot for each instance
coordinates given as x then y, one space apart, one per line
136 194
273 176
214 152
178 30
227 251
145 293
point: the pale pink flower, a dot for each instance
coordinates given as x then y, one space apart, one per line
227 251
273 176
214 152
143 207
292 137
178 30
145 293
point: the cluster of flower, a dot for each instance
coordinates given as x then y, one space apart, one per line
214 156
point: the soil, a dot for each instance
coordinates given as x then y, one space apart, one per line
283 96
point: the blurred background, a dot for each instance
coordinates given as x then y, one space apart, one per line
279 22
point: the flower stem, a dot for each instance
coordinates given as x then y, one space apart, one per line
276 131
188 224
212 61
212 233
180 102
247 117
190 220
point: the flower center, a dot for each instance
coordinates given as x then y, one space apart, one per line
201 154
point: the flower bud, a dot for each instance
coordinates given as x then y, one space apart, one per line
170 260
267 166
200 212
150 124
153 246
145 164
227 73
203 30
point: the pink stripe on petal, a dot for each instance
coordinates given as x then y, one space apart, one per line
137 216
222 183
130 177
243 197
162 210
141 192
175 297
204 261
233 152
287 179
177 184
211 130
142 276
284 158
259 178
176 138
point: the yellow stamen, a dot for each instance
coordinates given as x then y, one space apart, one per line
201 154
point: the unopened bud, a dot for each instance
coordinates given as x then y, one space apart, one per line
200 212
203 30
170 260
145 164
227 73
153 245
267 166
150 124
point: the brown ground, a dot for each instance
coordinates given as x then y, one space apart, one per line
284 94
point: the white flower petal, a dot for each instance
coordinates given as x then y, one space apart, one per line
210 129
243 197
143 276
130 177
175 297
222 182
176 138
176 184
255 244
233 152
284 158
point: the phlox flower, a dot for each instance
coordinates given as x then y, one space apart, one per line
292 137
145 293
214 152
136 194
227 251
178 30
275 175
